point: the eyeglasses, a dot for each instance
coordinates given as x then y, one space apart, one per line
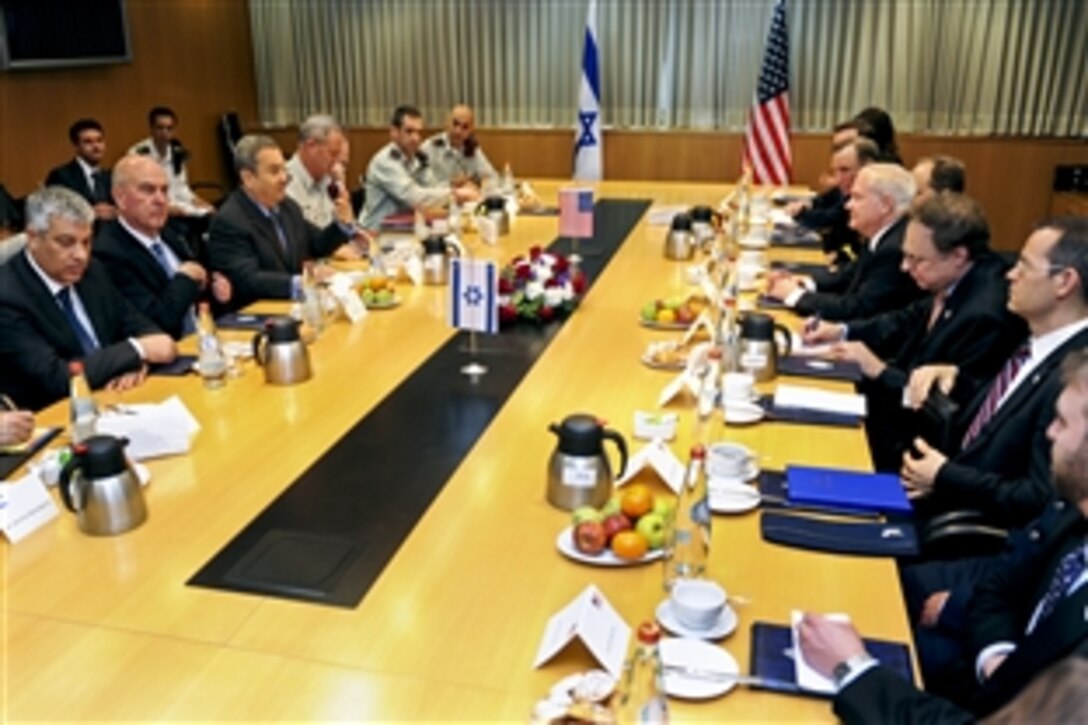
1051 269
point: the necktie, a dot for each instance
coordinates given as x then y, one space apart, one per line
159 251
99 187
997 392
86 341
1069 570
277 222
188 323
937 309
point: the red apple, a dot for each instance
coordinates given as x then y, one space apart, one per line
614 524
590 538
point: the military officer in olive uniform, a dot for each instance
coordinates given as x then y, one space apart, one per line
400 179
455 155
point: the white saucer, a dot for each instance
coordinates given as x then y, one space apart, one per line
754 243
724 627
733 499
742 413
698 656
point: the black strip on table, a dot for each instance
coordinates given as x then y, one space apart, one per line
328 536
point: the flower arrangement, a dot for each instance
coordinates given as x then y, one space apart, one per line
539 288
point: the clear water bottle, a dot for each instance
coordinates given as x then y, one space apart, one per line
313 313
507 180
211 358
640 696
82 410
687 547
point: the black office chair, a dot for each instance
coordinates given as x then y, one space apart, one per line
12 211
230 133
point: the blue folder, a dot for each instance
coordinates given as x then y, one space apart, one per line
880 492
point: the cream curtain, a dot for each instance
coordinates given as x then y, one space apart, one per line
1015 67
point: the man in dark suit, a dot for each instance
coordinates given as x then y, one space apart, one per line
259 239
57 306
875 282
1002 467
152 267
1024 617
84 174
963 321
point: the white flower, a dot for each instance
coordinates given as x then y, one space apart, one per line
567 291
553 296
533 290
542 272
504 300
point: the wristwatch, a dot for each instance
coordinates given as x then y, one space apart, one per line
847 667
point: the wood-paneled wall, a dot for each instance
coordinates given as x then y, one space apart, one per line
1011 177
195 55
192 55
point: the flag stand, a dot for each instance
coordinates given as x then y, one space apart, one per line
474 370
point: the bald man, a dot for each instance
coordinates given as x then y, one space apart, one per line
455 156
153 268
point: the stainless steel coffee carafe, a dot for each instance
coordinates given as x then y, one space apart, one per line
100 487
762 341
279 349
578 472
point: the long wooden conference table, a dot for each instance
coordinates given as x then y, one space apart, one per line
107 629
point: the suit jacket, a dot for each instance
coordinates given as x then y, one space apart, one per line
871 284
1005 471
1006 600
38 343
244 245
975 331
71 175
136 273
1000 611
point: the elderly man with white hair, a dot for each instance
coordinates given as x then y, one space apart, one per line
320 143
875 282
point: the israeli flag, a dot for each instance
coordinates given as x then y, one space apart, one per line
588 141
474 300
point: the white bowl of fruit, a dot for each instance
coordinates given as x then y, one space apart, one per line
629 529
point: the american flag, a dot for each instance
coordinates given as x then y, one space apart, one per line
576 212
767 140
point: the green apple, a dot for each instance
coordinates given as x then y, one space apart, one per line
385 297
663 506
652 526
674 303
649 311
586 513
612 507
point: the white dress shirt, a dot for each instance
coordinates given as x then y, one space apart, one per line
310 194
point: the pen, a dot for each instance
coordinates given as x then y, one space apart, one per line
812 324
7 403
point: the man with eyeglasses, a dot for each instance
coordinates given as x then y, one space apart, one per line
455 154
963 321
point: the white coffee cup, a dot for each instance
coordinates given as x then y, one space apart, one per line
738 386
728 460
752 258
697 604
747 275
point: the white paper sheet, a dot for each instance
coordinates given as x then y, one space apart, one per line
800 396
153 430
25 506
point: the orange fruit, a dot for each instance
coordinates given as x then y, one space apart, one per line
629 545
636 500
377 282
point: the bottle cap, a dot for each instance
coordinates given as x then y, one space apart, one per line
649 632
698 451
75 367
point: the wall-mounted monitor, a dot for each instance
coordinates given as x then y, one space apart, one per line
62 33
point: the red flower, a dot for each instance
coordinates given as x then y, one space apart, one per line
508 313
523 272
535 252
505 286
578 283
546 313
553 282
561 264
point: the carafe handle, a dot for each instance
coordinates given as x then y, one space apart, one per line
622 445
258 347
786 337
72 503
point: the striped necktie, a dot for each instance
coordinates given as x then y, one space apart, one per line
997 392
1069 571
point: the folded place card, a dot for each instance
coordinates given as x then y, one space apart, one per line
342 288
702 322
25 506
593 620
658 456
153 430
685 380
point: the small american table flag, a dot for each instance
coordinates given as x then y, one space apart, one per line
576 213
767 140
